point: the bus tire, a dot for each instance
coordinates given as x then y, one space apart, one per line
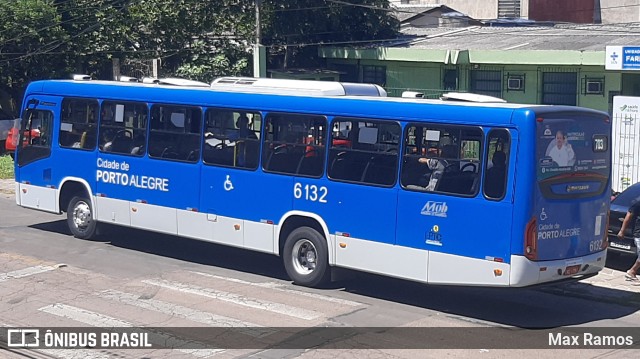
80 218
305 257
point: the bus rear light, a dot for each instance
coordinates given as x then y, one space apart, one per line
530 240
343 234
141 201
605 237
192 209
26 182
267 221
51 186
539 119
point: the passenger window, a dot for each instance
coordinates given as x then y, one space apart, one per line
232 138
123 127
175 133
495 177
442 159
78 125
294 144
364 151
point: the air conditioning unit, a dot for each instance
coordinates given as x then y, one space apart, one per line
515 83
594 87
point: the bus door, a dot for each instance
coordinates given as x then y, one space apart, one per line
572 194
359 201
36 170
242 204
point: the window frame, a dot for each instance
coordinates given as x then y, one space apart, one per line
174 144
331 158
267 155
102 127
95 125
224 137
451 130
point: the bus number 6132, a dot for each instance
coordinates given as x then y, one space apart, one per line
310 192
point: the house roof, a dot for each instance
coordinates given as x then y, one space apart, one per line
565 37
407 12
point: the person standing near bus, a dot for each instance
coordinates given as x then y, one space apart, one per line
562 152
633 214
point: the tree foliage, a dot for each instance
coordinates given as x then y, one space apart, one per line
191 38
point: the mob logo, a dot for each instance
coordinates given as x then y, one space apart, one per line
437 209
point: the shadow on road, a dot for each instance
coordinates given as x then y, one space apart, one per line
548 306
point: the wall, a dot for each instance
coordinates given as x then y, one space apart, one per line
578 11
619 11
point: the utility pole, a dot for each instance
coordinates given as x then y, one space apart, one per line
259 52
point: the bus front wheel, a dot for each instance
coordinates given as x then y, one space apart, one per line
306 257
80 218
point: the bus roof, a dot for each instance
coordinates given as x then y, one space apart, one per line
415 109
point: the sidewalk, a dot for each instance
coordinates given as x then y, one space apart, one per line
7 188
609 284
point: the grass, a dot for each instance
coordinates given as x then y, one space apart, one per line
6 167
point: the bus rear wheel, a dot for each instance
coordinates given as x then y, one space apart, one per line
306 257
80 218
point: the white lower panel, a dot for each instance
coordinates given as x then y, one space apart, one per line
259 236
451 269
525 272
229 231
42 198
194 225
113 211
387 259
155 218
17 192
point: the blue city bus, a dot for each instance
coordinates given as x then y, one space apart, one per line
327 175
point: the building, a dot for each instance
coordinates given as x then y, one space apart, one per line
559 64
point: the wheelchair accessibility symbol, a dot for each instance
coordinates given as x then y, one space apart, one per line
228 186
543 215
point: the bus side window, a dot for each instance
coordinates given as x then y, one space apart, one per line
368 154
123 127
294 144
175 133
443 159
495 178
78 124
232 138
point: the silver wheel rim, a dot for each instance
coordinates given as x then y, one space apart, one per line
81 215
304 256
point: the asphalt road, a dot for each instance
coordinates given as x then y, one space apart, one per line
132 278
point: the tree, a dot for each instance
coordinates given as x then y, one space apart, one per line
294 30
29 37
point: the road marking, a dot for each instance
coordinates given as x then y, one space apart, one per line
237 299
64 353
282 288
176 310
100 320
25 272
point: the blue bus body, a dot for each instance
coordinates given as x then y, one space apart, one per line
547 222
